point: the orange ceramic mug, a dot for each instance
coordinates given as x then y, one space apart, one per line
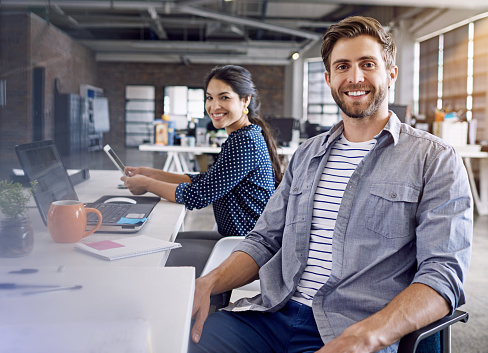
66 221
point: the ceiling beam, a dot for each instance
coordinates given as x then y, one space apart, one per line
246 22
156 24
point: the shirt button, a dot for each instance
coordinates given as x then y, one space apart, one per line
295 189
393 195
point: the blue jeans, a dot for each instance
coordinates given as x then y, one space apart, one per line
291 329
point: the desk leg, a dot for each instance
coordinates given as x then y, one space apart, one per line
167 163
185 162
177 163
478 202
483 209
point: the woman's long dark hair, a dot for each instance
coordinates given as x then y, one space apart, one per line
240 80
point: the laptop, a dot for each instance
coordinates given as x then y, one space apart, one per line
41 161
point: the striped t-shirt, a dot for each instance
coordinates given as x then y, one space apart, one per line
343 160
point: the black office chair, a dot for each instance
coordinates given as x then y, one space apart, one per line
433 338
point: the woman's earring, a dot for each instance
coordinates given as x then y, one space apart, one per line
245 110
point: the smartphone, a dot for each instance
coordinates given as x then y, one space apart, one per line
118 163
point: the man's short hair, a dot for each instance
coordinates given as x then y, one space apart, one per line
355 26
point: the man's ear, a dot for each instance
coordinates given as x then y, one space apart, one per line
327 78
392 76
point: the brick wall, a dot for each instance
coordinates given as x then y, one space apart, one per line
27 41
66 62
15 69
114 76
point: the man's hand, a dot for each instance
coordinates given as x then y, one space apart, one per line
416 306
352 340
238 269
201 306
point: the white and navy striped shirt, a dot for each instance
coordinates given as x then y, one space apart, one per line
343 160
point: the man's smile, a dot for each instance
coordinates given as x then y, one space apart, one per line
355 93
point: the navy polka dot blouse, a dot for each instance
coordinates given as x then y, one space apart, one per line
238 184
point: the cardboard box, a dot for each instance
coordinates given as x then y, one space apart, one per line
454 133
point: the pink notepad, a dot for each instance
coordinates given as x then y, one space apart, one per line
126 247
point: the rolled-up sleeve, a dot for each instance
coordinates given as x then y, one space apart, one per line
182 186
445 229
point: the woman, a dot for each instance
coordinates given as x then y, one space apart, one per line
238 184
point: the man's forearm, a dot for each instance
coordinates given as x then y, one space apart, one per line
237 270
415 307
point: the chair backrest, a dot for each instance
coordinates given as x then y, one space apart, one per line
222 249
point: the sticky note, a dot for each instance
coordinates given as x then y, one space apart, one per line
124 220
104 245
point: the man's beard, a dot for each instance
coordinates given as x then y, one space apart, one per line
354 109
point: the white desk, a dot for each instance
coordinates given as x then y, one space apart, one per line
114 311
178 156
480 196
114 293
164 223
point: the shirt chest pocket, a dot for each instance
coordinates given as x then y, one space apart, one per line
391 209
297 203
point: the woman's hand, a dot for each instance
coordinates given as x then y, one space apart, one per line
137 184
146 171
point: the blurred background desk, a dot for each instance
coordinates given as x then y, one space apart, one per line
164 223
118 309
480 196
179 157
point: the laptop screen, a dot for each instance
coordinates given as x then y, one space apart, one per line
41 161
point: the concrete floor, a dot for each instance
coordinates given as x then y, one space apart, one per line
466 338
472 337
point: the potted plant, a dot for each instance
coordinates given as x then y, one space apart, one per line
16 234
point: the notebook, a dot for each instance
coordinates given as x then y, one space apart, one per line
41 161
126 247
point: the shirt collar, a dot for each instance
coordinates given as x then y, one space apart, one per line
392 128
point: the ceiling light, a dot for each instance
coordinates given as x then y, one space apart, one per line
295 56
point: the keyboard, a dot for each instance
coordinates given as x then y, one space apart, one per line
111 212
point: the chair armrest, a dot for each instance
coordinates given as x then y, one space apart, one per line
409 342
219 301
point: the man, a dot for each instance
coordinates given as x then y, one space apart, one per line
368 236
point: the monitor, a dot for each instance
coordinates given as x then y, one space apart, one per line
282 129
41 161
400 111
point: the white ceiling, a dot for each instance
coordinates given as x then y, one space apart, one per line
218 31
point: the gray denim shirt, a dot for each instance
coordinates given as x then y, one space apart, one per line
405 217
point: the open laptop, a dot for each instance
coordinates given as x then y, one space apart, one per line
41 161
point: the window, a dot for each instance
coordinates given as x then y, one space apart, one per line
453 74
319 106
139 114
480 77
184 103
